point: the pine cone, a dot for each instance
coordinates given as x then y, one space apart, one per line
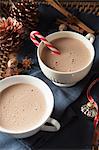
11 34
4 57
27 12
11 37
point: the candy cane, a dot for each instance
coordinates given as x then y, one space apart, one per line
42 38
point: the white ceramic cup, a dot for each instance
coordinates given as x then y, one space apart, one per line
65 78
55 126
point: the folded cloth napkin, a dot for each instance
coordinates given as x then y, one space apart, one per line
63 96
81 125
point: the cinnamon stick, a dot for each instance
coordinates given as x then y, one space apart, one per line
71 17
70 25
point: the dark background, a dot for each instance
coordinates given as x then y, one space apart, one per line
77 129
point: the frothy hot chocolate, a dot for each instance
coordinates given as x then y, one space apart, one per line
22 106
74 55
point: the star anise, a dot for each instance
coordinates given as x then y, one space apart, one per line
27 63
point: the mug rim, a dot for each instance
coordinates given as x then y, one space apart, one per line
60 72
43 121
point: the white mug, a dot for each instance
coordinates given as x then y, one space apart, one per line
55 125
64 78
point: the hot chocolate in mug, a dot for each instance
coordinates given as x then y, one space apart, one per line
11 83
66 78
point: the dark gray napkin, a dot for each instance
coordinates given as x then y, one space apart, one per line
63 96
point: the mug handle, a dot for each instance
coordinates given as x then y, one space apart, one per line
90 37
55 125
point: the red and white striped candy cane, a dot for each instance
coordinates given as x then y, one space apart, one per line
43 39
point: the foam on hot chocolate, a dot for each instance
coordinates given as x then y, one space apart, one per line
74 55
22 106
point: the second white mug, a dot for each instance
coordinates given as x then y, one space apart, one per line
67 78
26 79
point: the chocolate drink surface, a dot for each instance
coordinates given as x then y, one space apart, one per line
74 55
22 106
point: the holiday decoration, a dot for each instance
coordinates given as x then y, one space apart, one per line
25 11
12 63
11 38
12 68
15 67
11 34
26 63
4 56
89 110
44 40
